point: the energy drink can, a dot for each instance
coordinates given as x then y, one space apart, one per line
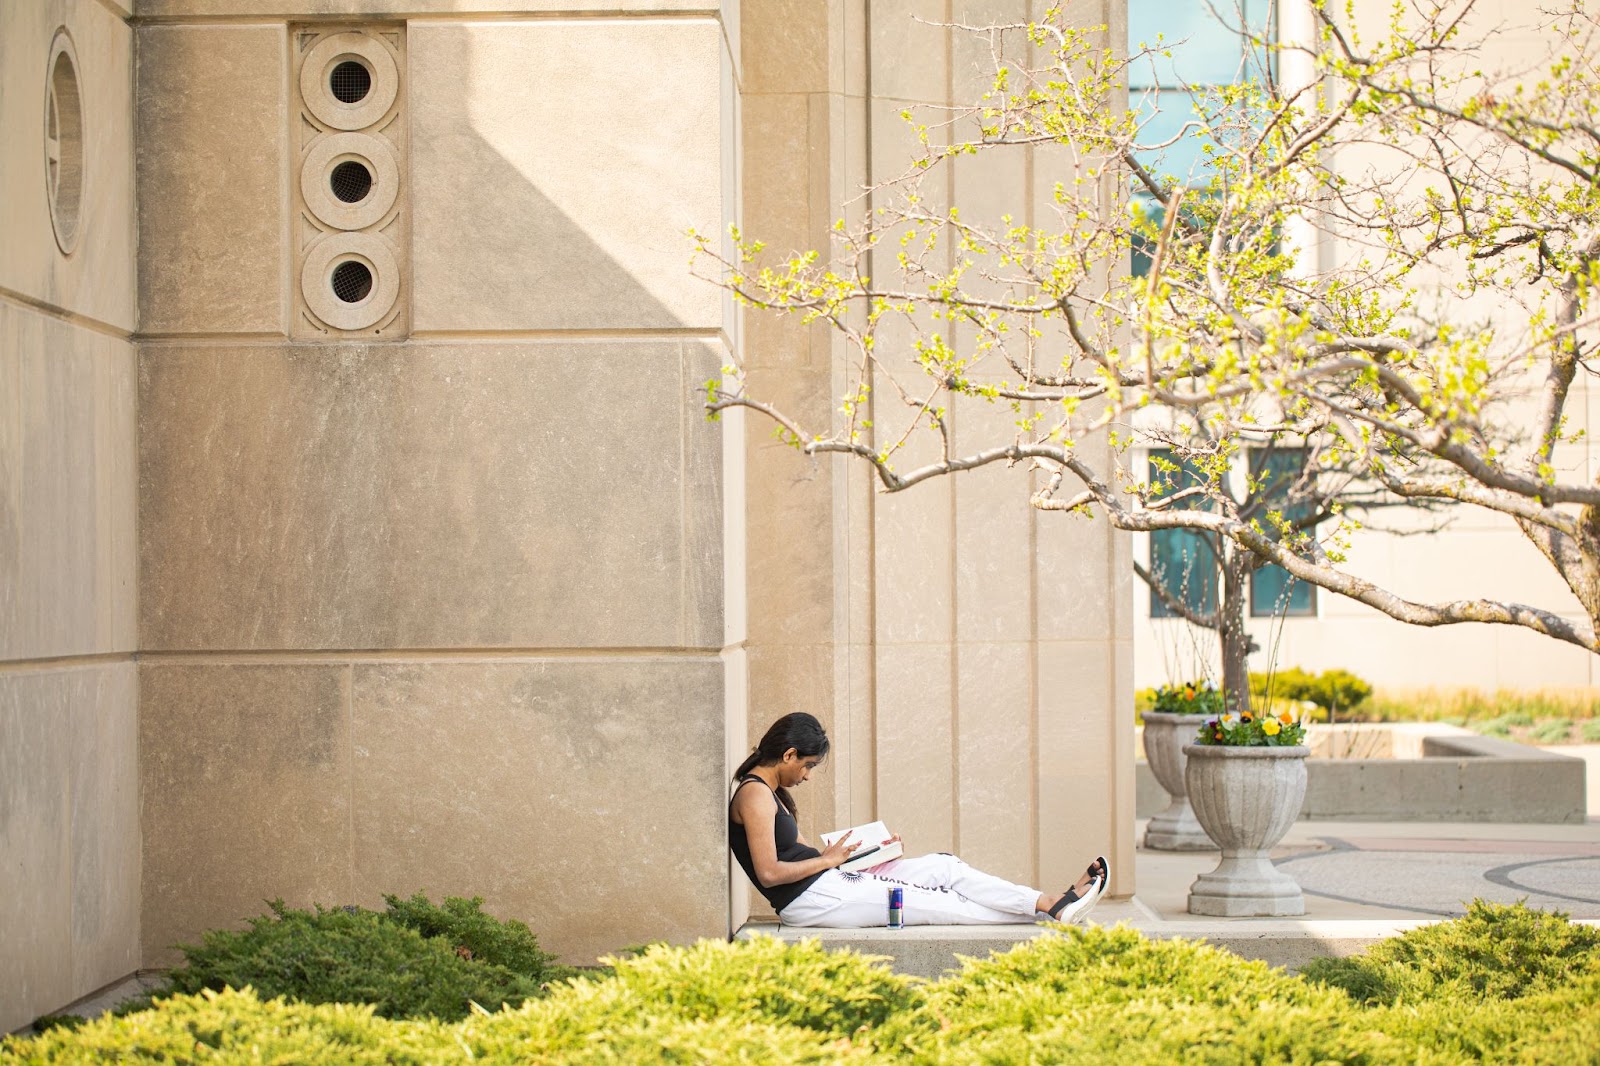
897 907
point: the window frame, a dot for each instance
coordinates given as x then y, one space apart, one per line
1208 592
1290 587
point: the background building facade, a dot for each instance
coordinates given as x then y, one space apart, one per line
1453 553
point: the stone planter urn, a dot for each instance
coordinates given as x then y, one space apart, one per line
1246 798
1175 828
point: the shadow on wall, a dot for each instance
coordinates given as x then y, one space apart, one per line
480 490
550 195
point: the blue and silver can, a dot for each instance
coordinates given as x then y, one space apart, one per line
897 907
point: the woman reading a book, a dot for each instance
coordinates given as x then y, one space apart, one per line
807 888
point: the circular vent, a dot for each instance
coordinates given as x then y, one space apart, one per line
63 142
352 281
350 182
350 82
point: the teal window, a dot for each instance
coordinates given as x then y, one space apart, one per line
1275 472
1166 93
1184 561
1187 563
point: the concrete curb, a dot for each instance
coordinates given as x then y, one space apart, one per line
931 951
1494 781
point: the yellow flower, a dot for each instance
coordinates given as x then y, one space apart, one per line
1270 728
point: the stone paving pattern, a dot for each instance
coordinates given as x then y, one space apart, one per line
1408 870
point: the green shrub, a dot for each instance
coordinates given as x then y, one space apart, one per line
1338 690
229 1027
1284 683
834 993
1590 732
1493 727
1332 691
755 1000
1560 1025
648 1038
484 937
1497 951
1503 984
1553 731
348 955
1089 995
1280 688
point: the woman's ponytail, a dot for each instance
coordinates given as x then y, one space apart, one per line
748 765
799 731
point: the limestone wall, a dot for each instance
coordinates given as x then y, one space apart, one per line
972 659
69 822
443 582
432 603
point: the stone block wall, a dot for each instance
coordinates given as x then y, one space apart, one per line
965 652
69 817
442 582
434 604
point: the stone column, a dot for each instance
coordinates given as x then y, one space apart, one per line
69 785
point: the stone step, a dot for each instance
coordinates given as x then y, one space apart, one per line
930 951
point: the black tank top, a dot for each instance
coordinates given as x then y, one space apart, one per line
786 834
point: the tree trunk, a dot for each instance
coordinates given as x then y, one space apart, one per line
1231 631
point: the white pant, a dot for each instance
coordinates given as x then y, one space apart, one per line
939 890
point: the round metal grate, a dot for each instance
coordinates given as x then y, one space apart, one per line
350 182
350 82
352 281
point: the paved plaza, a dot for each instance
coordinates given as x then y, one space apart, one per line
1377 870
1363 882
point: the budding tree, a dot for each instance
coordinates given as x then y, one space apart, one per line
1430 361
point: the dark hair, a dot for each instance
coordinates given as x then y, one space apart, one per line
799 731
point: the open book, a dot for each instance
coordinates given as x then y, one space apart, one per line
872 850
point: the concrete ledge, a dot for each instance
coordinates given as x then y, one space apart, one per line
1460 777
920 950
1473 746
931 951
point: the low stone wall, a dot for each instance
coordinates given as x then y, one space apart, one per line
1460 777
931 951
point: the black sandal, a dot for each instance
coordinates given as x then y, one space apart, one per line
1099 877
1071 907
